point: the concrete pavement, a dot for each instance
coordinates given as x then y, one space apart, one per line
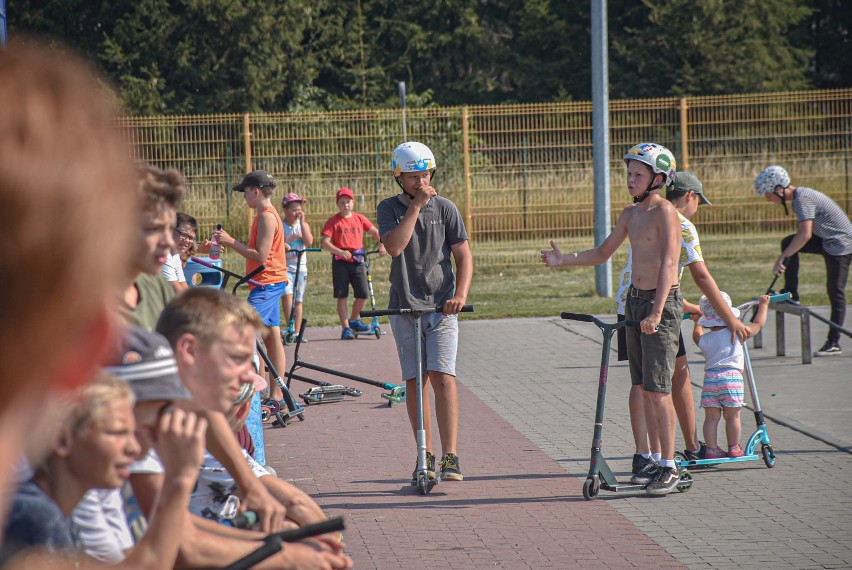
528 389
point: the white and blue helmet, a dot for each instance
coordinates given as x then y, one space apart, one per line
412 157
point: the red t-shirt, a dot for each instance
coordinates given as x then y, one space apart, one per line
347 233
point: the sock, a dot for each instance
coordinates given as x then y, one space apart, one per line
668 463
646 455
657 456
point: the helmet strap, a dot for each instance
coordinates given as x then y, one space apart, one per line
404 191
783 196
651 188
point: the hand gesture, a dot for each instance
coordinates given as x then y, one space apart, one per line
551 257
180 440
423 194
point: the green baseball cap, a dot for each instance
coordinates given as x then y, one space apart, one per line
687 181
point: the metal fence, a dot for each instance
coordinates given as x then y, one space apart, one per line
516 171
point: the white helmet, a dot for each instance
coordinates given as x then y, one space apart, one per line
771 177
659 158
412 157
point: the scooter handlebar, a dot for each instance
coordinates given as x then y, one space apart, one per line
200 261
389 312
593 319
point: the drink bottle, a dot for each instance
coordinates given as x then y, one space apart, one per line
215 248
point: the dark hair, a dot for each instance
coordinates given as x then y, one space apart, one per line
184 219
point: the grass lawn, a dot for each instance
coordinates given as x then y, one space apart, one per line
510 282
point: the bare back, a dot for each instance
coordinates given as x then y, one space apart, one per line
654 232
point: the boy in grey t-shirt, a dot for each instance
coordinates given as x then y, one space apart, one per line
424 233
824 228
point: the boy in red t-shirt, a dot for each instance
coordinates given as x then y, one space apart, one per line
343 237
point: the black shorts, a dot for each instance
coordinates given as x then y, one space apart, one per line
344 273
622 343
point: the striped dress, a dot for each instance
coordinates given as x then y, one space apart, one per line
723 370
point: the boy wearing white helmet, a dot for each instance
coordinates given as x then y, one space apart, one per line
651 223
425 233
824 229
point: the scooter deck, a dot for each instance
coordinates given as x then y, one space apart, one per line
327 394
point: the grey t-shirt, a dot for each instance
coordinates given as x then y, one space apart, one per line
830 222
422 275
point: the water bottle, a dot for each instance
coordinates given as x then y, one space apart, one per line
215 248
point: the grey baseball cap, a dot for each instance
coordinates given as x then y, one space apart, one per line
146 362
686 181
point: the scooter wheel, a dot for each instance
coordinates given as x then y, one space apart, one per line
288 337
685 483
378 333
265 414
768 455
422 483
273 405
301 417
590 489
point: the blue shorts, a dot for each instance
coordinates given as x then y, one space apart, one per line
291 280
267 302
439 343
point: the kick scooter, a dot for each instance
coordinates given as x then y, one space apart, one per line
325 392
375 329
269 407
760 435
600 475
423 482
288 335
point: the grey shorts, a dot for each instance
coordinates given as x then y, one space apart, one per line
439 343
652 356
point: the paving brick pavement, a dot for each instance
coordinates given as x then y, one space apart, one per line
528 393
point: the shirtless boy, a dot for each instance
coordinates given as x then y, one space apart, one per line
652 225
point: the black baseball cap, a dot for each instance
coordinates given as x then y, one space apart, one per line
255 179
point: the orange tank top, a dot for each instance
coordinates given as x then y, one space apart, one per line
276 261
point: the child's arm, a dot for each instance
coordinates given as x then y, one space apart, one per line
691 309
698 330
374 233
266 228
329 246
553 257
705 282
307 235
760 317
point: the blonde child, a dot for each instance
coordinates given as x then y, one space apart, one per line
298 236
723 391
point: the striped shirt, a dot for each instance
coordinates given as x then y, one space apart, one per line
830 222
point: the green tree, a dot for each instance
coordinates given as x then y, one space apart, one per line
680 47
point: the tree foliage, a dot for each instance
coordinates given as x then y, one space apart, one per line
214 56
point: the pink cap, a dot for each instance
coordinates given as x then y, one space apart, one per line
292 197
345 192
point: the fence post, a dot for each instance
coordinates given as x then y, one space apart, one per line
247 154
468 201
684 136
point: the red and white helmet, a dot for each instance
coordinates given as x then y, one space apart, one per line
771 177
659 158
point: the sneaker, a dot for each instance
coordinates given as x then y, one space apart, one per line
665 482
714 453
735 451
301 339
829 349
696 455
639 462
357 325
347 334
430 468
450 468
646 474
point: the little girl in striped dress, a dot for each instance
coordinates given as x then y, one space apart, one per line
723 374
